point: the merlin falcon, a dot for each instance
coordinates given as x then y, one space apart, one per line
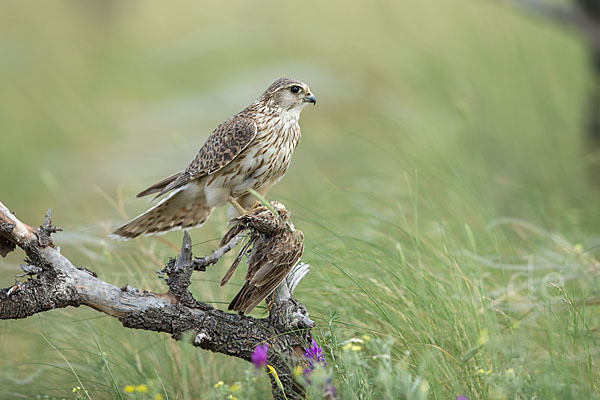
251 150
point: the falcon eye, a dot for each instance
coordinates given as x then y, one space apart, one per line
295 89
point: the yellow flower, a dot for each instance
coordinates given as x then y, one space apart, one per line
578 247
275 376
355 348
366 338
74 390
218 384
297 371
158 396
424 387
483 337
489 371
235 387
480 371
347 346
232 397
129 389
141 388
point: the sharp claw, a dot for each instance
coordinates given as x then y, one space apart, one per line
237 206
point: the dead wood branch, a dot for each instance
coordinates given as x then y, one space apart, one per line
52 281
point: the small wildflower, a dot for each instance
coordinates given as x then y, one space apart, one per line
74 390
355 348
488 372
232 397
353 340
424 387
129 389
218 384
366 338
330 392
314 352
347 346
462 397
141 388
483 337
510 372
275 377
158 396
578 248
313 355
235 387
297 371
480 371
259 355
381 357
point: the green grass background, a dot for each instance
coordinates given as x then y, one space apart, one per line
445 152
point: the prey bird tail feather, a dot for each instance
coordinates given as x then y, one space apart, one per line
235 264
242 297
252 294
182 209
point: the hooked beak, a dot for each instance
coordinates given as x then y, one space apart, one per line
311 99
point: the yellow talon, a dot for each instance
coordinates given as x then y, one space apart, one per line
237 206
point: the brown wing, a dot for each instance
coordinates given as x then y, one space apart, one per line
267 268
223 145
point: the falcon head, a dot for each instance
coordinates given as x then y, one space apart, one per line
288 94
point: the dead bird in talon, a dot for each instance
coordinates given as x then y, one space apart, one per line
276 248
251 150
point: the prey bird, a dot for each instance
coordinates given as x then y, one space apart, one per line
251 150
276 248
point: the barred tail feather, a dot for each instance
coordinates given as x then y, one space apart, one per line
184 208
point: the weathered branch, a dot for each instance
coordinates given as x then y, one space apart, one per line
200 263
54 282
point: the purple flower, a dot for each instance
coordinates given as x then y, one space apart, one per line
462 397
330 392
259 355
313 355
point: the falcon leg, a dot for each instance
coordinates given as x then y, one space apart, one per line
237 206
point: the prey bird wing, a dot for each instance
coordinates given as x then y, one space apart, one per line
268 266
224 144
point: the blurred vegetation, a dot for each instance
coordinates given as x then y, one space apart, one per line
445 152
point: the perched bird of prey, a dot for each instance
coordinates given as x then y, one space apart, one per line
251 150
276 248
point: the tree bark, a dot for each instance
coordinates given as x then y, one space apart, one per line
54 282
